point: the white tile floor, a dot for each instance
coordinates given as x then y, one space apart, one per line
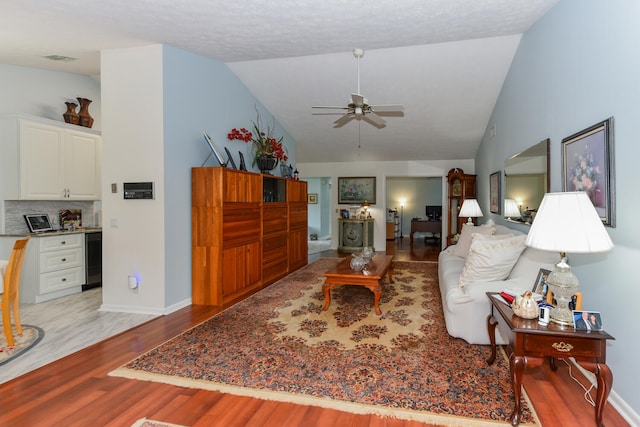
70 324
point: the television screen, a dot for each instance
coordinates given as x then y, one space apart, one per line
434 212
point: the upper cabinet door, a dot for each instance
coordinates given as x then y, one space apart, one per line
82 166
55 162
41 161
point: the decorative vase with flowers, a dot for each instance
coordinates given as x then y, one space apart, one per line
268 150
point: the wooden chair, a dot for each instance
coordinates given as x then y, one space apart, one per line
11 290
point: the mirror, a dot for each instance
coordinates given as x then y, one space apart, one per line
527 179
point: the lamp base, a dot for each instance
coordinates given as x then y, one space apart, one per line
564 284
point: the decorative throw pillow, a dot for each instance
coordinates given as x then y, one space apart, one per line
462 247
491 258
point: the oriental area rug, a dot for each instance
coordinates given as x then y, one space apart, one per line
279 345
31 335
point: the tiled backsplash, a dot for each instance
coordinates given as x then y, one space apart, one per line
15 209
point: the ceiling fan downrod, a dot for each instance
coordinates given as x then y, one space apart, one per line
358 53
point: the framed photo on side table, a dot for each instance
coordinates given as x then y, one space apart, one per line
494 192
540 286
587 165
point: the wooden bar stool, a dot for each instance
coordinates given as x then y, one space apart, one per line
11 290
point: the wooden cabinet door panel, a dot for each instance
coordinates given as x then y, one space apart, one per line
274 218
242 268
242 186
241 222
297 191
298 252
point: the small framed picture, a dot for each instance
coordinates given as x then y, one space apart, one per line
587 320
494 192
540 286
312 198
344 213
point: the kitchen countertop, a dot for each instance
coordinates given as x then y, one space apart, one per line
55 233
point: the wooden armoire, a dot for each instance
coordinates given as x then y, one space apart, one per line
248 230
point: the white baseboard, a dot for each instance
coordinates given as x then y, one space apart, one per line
615 400
146 310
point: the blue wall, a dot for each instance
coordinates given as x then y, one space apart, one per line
579 65
199 94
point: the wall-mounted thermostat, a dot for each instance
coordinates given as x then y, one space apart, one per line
138 190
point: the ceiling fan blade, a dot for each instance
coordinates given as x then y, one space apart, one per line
334 108
392 107
343 120
358 100
328 114
379 121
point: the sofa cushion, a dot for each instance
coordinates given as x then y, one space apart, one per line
491 258
464 242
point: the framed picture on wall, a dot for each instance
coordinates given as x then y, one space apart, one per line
357 190
494 192
312 198
587 165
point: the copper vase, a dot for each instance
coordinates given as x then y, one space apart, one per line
85 118
70 116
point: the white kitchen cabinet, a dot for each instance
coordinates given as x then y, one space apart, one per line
48 160
53 267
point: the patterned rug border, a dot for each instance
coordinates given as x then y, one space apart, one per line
300 399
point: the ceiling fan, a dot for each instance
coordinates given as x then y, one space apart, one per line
359 107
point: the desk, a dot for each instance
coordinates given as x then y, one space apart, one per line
530 343
425 227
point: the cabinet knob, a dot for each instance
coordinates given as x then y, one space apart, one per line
64 279
64 259
63 242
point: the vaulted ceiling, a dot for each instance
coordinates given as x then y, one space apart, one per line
444 60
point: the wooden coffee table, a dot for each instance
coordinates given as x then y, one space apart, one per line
371 277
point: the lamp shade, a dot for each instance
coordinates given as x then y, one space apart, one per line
470 208
568 222
511 208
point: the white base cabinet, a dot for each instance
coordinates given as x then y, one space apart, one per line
53 267
48 160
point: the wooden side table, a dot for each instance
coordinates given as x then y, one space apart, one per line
530 343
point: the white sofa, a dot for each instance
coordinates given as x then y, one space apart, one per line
466 308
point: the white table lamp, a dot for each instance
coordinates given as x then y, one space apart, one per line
511 209
470 209
567 222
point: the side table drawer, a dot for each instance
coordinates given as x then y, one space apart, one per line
63 279
562 347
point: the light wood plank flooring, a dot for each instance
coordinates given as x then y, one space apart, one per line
76 390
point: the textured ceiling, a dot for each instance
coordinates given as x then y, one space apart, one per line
444 60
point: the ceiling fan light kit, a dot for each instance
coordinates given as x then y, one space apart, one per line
359 107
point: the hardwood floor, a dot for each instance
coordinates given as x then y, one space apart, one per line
76 390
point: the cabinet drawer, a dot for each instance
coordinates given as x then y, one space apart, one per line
63 279
59 260
65 241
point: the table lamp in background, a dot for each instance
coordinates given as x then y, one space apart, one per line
470 209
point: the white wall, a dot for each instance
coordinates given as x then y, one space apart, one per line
43 93
133 230
576 67
381 170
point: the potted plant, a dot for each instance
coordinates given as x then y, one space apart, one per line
268 150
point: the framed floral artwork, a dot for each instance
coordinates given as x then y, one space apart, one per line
587 165
357 190
312 198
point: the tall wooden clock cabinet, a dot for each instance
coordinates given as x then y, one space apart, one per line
462 186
